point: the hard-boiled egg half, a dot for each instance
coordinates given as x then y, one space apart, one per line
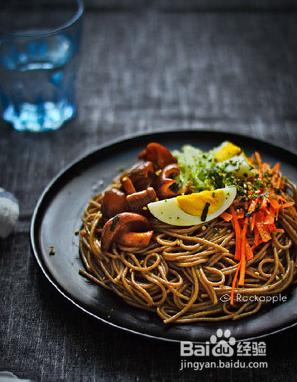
192 209
232 159
225 151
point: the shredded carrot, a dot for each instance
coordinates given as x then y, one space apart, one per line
227 217
281 198
234 285
258 216
278 230
248 251
259 162
276 178
257 239
253 205
275 204
237 233
242 270
270 216
264 204
253 222
243 253
258 158
240 214
264 232
288 204
276 168
243 234
278 182
270 227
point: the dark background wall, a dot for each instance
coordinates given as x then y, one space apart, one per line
198 5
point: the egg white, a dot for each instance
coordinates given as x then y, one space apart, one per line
237 165
168 211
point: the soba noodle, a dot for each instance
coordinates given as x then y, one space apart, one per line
185 274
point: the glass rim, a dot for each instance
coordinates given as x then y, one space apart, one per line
47 32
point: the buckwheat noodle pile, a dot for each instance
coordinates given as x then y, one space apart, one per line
184 272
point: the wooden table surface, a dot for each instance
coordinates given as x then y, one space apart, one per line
142 69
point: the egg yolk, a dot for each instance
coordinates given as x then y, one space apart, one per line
227 151
194 204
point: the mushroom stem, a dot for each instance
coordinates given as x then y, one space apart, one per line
140 199
123 228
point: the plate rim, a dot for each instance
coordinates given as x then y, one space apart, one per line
126 137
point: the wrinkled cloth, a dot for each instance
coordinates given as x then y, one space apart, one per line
7 376
9 213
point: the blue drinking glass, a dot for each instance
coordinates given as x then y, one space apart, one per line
39 63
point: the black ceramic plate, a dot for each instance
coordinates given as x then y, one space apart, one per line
57 217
